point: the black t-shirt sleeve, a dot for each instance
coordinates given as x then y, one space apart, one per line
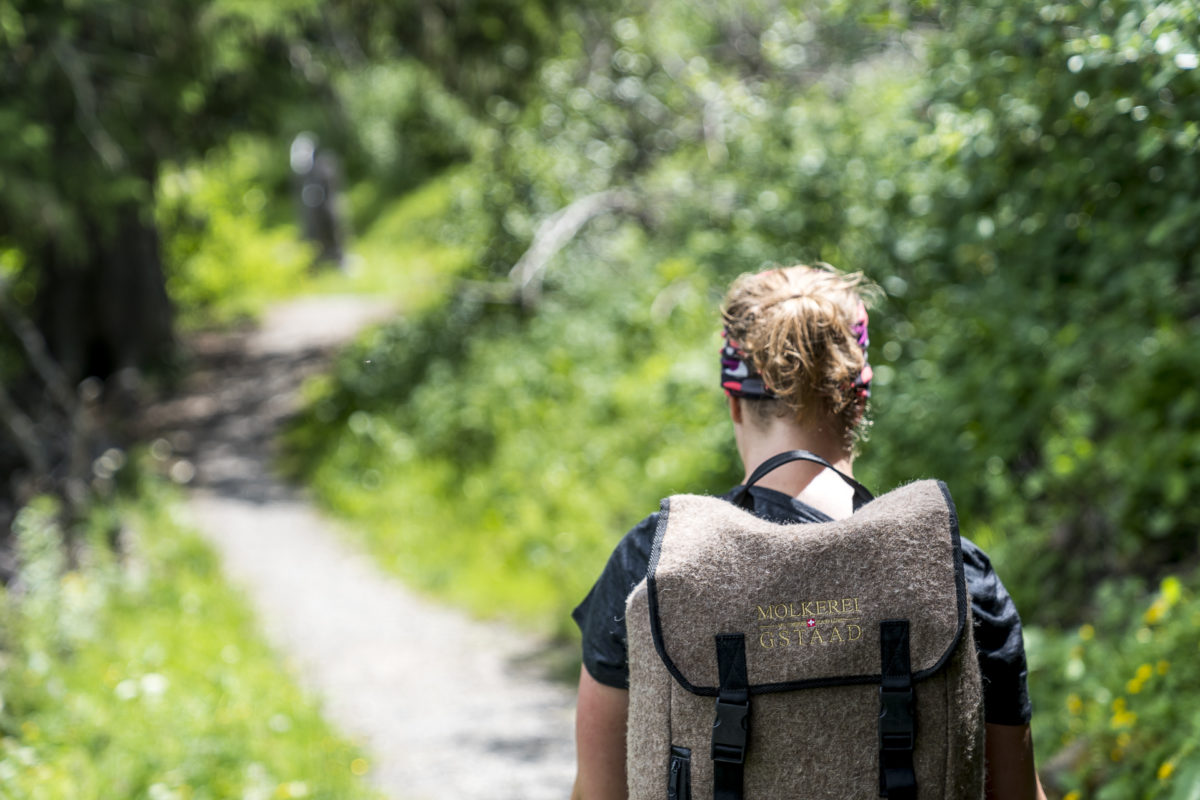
601 615
998 641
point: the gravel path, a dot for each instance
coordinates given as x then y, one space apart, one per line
445 706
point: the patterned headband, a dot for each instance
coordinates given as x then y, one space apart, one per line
862 384
738 376
740 379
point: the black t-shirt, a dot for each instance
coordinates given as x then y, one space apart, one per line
998 640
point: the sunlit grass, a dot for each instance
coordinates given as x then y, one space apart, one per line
146 677
231 249
498 470
403 254
471 556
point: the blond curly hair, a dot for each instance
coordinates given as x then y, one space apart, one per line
795 324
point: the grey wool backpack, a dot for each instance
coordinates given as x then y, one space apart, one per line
791 661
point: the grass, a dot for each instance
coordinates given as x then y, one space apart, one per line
403 254
145 676
231 249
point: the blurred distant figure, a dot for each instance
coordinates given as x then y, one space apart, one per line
318 179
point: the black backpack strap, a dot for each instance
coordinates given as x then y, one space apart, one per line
742 497
732 725
897 718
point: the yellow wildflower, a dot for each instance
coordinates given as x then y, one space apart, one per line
1074 703
1133 686
1171 590
1165 769
1087 633
1144 672
1072 795
359 766
1123 719
1155 612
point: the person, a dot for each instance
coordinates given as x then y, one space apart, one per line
795 372
318 187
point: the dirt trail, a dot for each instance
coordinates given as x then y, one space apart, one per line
445 706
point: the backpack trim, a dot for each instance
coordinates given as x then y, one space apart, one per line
960 584
897 717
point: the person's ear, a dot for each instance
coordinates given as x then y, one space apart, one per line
735 409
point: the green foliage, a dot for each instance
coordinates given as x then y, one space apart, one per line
1021 182
224 258
477 48
1119 695
1021 179
143 676
97 99
405 125
1051 267
703 85
98 94
502 434
553 433
408 251
228 255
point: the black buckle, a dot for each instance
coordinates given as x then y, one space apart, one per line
897 725
729 732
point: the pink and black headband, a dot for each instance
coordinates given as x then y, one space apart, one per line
740 379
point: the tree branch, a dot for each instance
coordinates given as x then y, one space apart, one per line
38 354
24 433
79 425
555 232
85 105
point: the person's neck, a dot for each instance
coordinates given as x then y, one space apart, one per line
756 445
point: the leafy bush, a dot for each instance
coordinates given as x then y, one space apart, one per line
409 251
545 457
143 676
1119 697
225 255
515 448
1051 267
406 126
1020 180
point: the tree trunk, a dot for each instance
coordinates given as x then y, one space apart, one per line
107 310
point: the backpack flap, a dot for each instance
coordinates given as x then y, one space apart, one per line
808 598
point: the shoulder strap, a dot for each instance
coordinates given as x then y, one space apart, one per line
897 718
731 726
742 497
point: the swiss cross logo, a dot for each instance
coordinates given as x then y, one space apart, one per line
812 623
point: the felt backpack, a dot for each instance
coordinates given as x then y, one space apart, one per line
819 660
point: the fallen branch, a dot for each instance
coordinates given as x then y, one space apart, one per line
553 235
